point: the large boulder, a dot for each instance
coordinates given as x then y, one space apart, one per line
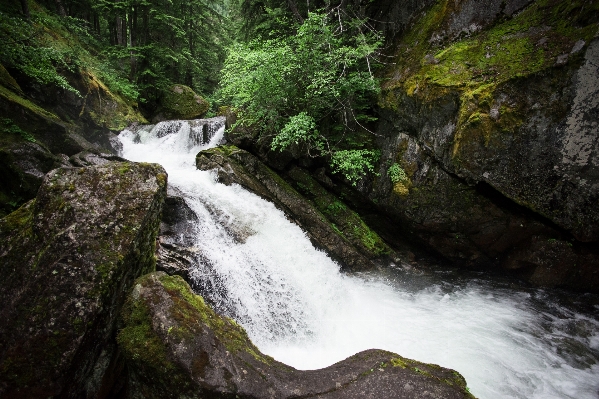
181 102
175 346
234 165
67 260
491 113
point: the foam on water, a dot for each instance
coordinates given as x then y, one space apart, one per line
296 306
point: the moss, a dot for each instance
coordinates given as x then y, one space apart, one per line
111 111
19 219
189 306
432 371
14 98
401 189
139 341
474 67
341 218
8 81
180 102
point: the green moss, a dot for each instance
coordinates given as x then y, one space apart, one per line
19 219
432 371
180 102
139 341
8 81
342 219
14 98
475 66
189 306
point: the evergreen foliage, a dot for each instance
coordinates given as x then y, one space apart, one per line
301 75
140 47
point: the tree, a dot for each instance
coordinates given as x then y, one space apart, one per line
309 90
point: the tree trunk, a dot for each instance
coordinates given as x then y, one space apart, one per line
60 8
119 31
133 41
295 11
25 7
189 73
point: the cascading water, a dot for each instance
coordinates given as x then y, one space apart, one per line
296 306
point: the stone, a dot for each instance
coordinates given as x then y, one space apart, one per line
176 346
234 165
23 165
181 102
501 152
67 260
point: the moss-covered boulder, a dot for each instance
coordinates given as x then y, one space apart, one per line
234 165
39 128
176 346
67 260
490 111
343 219
181 102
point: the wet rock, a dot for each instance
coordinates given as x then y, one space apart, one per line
90 158
176 346
176 252
341 217
67 260
234 165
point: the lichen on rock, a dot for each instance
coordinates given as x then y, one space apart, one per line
66 260
497 100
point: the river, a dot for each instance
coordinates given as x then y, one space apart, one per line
506 339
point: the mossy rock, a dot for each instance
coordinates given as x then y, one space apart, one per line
181 102
354 252
176 346
8 81
344 221
67 259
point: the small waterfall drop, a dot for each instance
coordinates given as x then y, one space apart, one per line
260 268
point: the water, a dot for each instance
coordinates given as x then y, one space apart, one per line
255 265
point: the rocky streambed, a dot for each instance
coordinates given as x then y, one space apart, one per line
82 318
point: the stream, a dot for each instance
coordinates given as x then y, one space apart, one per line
507 340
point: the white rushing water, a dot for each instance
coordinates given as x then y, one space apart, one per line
297 307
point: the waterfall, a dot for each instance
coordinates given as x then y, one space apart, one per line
258 267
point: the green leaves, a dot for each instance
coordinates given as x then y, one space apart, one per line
353 164
301 129
25 51
285 87
397 174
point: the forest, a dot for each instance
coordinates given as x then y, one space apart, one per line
301 74
242 199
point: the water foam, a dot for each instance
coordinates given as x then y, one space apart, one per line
297 307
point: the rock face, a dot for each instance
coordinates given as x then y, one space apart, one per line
181 102
491 114
355 251
41 126
67 260
176 346
176 245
